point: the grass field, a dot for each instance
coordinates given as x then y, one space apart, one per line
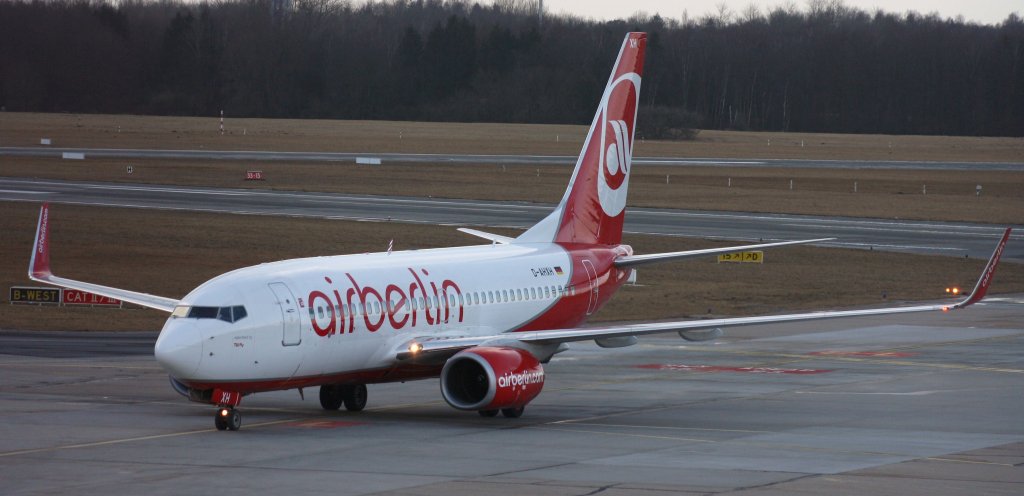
122 131
169 253
879 193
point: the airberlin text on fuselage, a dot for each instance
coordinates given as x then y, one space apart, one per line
401 304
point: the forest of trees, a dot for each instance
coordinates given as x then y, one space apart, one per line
821 67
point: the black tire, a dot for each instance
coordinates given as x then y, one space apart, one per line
488 413
220 422
330 397
513 412
234 420
355 397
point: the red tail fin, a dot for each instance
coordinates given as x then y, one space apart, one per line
593 208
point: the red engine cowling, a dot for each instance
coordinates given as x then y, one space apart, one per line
490 378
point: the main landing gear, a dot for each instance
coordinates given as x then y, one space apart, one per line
507 412
353 396
227 418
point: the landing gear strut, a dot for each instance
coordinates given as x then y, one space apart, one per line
227 418
353 396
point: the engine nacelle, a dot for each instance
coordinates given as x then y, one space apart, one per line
491 378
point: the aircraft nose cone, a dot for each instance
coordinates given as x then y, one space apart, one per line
179 348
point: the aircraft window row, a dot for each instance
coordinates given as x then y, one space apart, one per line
227 314
453 300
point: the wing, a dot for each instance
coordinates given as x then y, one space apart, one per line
694 330
634 260
39 270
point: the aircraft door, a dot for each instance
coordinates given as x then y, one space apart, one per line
592 281
291 326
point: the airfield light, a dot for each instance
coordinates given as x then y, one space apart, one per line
956 291
949 290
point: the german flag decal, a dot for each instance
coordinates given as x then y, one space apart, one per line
558 270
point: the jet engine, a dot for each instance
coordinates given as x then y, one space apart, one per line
489 379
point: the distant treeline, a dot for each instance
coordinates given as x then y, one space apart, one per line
824 68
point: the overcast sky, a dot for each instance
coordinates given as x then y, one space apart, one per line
982 11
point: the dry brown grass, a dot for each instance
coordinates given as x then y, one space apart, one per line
125 131
881 193
169 253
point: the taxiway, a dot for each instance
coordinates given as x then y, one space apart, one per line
943 238
276 156
927 404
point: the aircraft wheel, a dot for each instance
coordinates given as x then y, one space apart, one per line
330 397
513 412
355 397
234 420
488 413
227 419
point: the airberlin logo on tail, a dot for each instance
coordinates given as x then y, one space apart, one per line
43 227
618 114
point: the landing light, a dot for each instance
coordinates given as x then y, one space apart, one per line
224 412
415 348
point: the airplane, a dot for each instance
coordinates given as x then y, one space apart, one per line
483 319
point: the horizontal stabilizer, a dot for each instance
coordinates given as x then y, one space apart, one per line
497 238
634 260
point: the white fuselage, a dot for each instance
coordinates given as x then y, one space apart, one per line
315 320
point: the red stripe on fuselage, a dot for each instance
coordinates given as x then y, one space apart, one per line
373 376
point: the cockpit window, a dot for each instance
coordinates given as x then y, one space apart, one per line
227 314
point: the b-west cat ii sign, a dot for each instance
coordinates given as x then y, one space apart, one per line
57 296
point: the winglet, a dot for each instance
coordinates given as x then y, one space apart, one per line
39 265
986 275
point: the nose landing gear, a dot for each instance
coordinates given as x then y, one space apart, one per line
227 418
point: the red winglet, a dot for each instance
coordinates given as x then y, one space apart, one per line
987 275
39 266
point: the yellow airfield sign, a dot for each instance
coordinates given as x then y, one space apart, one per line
742 257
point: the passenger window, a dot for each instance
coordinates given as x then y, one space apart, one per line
533 293
519 295
476 298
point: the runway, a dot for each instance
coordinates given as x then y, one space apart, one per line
957 239
493 159
911 405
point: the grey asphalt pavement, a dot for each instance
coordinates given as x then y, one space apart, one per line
924 404
493 159
956 239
